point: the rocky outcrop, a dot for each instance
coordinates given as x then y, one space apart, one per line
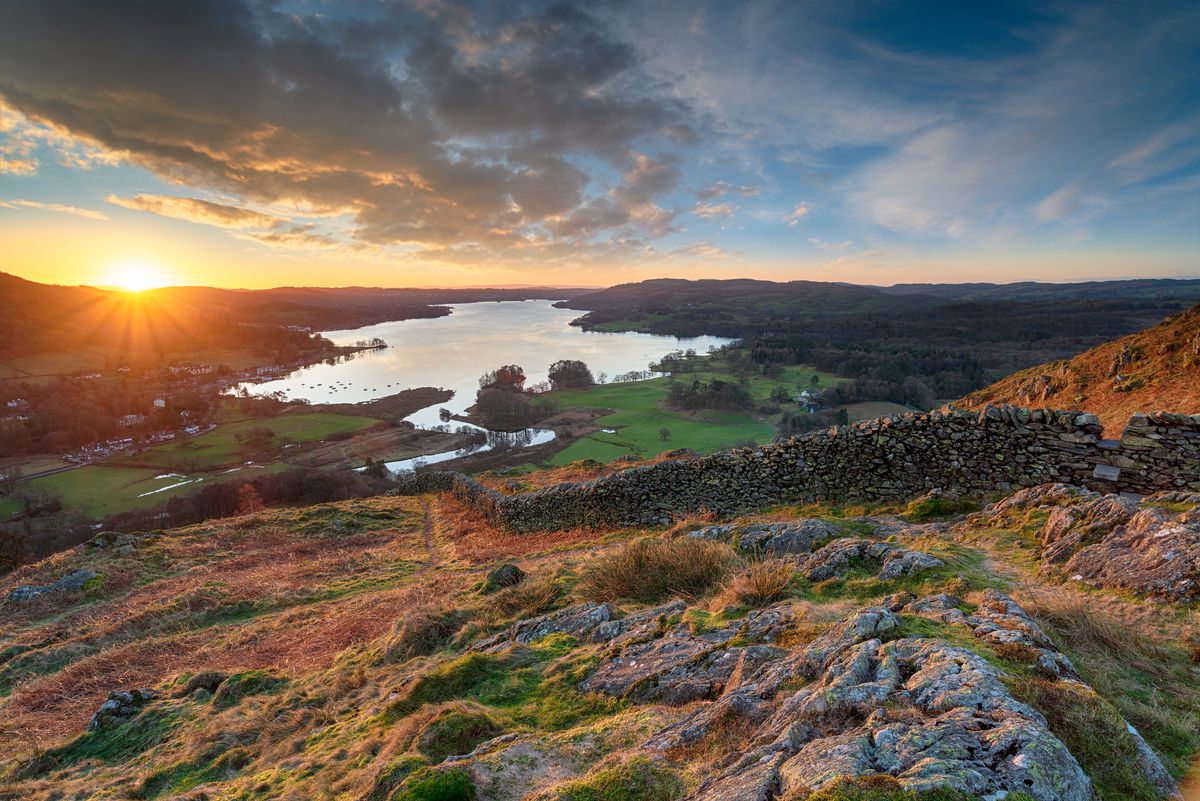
121 707
1000 448
1117 542
71 582
887 560
928 712
772 539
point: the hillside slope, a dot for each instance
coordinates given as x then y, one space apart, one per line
380 650
1155 369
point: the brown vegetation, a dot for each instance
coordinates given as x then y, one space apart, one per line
1152 370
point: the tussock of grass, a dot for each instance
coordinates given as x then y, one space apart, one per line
529 598
456 729
392 774
252 682
429 784
652 570
759 584
423 631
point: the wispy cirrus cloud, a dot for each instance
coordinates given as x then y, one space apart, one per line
197 210
61 208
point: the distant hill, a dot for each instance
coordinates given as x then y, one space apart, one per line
38 318
1142 289
1155 369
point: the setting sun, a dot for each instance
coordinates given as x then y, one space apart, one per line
136 277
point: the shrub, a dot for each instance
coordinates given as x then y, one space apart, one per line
456 729
760 583
240 685
650 570
638 779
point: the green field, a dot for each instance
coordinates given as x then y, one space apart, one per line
221 447
638 416
8 507
98 491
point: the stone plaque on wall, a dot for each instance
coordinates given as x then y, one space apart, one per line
1106 472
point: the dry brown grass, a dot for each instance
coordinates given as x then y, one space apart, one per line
476 541
759 584
1152 683
531 597
1088 628
650 570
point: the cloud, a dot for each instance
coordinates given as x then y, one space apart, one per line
196 210
62 208
823 245
722 188
297 236
713 211
434 126
1052 137
799 212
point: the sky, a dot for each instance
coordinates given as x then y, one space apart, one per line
249 143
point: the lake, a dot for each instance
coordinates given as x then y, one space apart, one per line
454 351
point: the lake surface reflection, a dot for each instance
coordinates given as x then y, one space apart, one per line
454 351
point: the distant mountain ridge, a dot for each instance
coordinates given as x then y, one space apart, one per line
1155 369
37 317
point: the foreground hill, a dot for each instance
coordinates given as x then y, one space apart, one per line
1158 368
399 648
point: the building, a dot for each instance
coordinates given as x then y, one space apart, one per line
130 420
192 369
160 403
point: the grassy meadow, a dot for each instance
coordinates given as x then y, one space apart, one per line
638 414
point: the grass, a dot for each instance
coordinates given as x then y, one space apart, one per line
220 447
759 584
637 779
1094 732
1155 687
651 570
638 417
455 730
100 490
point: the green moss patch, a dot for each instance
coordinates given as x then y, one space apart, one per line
252 682
638 779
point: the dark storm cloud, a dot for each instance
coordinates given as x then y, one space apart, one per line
432 125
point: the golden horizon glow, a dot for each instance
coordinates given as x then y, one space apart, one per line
136 276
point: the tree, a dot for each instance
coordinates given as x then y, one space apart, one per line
664 433
508 377
376 469
256 439
781 394
570 374
816 380
843 417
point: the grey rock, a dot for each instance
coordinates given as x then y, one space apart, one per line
71 582
121 707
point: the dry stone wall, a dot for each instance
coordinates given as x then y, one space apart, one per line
1001 448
